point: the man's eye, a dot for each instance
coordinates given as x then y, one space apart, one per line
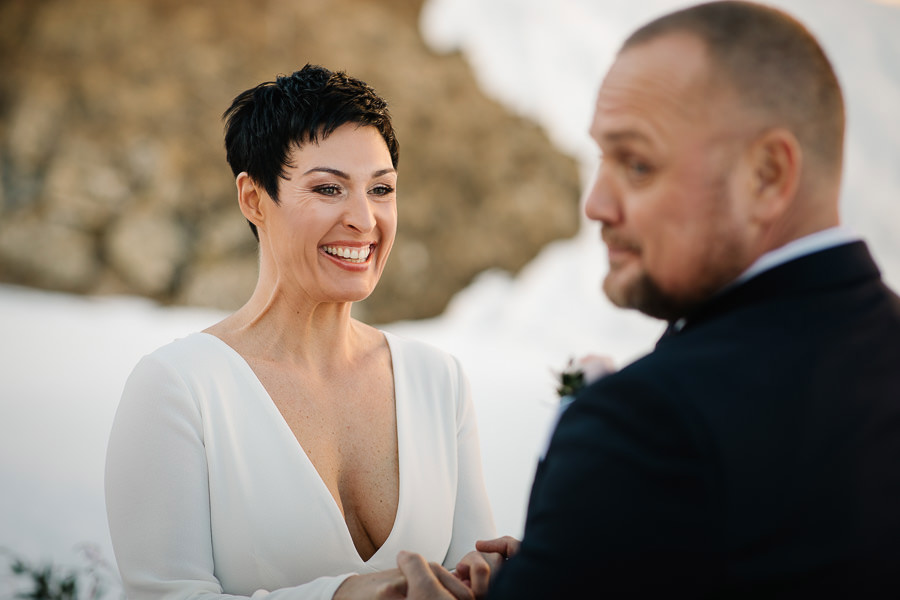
382 190
327 190
637 168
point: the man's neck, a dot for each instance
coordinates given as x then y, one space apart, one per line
808 244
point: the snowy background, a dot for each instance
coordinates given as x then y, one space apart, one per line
65 358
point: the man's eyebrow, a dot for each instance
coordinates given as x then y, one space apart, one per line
625 136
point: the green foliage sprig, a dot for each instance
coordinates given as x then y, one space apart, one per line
93 580
571 380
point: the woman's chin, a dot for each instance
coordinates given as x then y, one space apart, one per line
348 296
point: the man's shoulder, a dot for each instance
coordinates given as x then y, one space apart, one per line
654 388
692 374
692 355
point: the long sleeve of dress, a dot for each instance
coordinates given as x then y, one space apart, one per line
157 495
472 518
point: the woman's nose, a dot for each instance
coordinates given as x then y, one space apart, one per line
359 215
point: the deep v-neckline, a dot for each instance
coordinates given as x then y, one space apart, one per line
283 425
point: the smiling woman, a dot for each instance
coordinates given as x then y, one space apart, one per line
291 450
337 201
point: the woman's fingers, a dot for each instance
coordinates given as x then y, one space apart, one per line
475 569
383 585
421 582
430 581
451 584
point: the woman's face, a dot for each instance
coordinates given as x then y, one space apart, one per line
333 228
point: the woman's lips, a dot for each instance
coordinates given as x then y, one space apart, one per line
350 256
354 254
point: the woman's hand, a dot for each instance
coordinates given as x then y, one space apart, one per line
383 585
475 570
478 567
430 581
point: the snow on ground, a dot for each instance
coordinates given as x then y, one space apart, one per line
65 358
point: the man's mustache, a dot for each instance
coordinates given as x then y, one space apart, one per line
615 239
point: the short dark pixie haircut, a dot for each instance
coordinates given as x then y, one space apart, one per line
264 123
774 64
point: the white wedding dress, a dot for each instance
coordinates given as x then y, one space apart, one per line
209 494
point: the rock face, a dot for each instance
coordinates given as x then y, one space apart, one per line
112 170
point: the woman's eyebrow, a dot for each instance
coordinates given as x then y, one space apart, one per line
335 172
342 175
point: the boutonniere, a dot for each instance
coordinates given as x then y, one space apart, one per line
582 373
577 374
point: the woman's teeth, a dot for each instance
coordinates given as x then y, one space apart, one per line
355 255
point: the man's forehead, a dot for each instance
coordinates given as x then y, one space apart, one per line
679 57
656 84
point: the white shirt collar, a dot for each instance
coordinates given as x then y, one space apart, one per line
814 242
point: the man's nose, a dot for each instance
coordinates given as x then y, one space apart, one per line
602 203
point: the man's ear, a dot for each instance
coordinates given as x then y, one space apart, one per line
250 199
777 160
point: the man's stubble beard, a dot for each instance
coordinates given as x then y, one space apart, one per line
646 295
725 261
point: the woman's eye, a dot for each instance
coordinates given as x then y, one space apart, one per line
327 190
382 190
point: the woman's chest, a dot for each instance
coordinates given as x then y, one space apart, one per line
274 519
347 427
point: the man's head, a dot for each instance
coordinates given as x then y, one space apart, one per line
265 123
721 130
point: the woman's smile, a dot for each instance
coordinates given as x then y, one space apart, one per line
354 256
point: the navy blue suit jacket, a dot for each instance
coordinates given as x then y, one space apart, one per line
755 453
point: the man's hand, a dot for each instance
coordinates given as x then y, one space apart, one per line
505 546
430 581
477 568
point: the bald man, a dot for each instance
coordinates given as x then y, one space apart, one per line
756 452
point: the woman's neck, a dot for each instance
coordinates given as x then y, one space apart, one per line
276 325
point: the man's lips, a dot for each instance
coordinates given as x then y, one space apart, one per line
618 248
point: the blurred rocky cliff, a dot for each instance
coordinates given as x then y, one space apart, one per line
112 171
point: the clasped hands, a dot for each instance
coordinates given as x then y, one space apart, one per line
471 578
417 579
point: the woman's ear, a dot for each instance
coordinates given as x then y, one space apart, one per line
776 161
250 198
